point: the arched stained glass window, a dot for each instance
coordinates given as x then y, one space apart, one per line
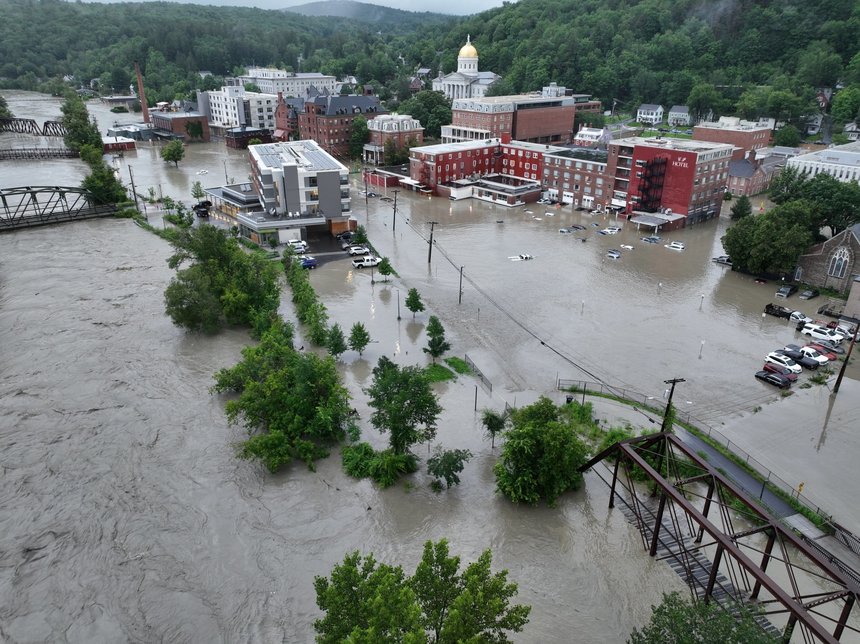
838 263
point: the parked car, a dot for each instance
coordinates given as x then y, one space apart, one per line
819 332
366 261
783 360
347 234
809 293
611 230
576 227
827 352
778 368
299 246
798 316
809 352
309 262
787 291
778 311
675 245
775 379
722 259
651 239
832 347
799 358
613 253
358 250
565 231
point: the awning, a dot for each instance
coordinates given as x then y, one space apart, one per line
280 134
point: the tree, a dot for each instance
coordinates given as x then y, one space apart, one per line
788 185
741 208
413 302
385 269
365 601
359 134
197 191
494 424
404 404
336 342
447 464
102 181
703 99
359 338
436 344
173 151
431 108
541 456
190 302
846 104
292 402
678 621
360 235
81 129
254 141
819 65
772 242
5 112
787 135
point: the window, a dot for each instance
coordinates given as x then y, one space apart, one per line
838 263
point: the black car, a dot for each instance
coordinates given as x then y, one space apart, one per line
809 293
799 358
775 379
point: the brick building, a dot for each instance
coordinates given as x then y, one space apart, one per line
676 181
833 263
744 135
752 176
398 130
432 165
525 160
547 117
287 112
328 119
577 177
190 126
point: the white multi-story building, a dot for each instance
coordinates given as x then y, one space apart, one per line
842 162
232 106
299 180
271 81
649 113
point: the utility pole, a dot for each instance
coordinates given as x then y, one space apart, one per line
364 176
133 189
460 299
673 382
430 249
845 362
394 214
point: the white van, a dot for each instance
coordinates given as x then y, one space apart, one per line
818 332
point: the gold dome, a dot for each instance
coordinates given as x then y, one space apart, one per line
467 50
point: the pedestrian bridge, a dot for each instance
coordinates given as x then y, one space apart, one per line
30 206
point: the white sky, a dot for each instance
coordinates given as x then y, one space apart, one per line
456 7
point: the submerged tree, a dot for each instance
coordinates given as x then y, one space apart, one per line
359 338
413 302
173 152
436 344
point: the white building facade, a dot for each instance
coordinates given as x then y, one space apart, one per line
648 113
467 81
271 80
232 106
842 162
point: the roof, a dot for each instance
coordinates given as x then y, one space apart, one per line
741 168
682 145
594 156
679 109
307 154
650 107
350 104
468 50
423 70
848 154
442 148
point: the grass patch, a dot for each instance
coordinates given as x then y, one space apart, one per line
459 365
439 373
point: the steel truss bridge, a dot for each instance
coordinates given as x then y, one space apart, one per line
686 513
43 205
29 126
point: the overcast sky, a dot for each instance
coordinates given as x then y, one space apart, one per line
456 7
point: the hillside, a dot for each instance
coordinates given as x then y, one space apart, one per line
367 13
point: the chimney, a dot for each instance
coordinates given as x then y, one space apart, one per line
141 93
751 157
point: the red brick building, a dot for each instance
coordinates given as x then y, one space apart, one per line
525 160
191 126
398 130
681 181
744 135
536 118
577 177
328 120
287 118
432 165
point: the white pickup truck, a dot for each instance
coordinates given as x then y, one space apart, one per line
367 260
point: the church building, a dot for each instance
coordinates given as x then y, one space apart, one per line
467 81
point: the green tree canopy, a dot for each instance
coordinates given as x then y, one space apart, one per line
5 112
494 423
81 129
447 464
173 152
358 136
431 108
787 135
846 104
368 602
404 404
541 456
413 301
436 343
741 208
679 621
772 242
359 338
336 341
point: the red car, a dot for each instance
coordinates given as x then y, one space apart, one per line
827 353
783 371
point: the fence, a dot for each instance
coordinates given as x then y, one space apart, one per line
766 475
485 382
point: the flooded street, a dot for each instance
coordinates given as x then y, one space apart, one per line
127 516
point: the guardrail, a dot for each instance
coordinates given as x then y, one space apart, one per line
485 382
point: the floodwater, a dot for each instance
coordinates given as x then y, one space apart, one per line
128 517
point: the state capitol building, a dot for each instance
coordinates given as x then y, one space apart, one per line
467 81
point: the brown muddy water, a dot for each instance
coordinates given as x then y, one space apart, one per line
127 516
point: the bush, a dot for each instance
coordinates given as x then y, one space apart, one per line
356 460
386 467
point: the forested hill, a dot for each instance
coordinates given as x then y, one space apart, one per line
371 13
630 50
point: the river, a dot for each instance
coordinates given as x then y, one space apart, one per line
128 517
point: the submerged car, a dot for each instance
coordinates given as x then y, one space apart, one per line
775 379
787 291
808 294
778 368
725 260
808 352
780 359
675 245
613 254
309 262
651 239
358 250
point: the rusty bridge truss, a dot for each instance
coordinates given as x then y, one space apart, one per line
42 205
727 548
29 126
